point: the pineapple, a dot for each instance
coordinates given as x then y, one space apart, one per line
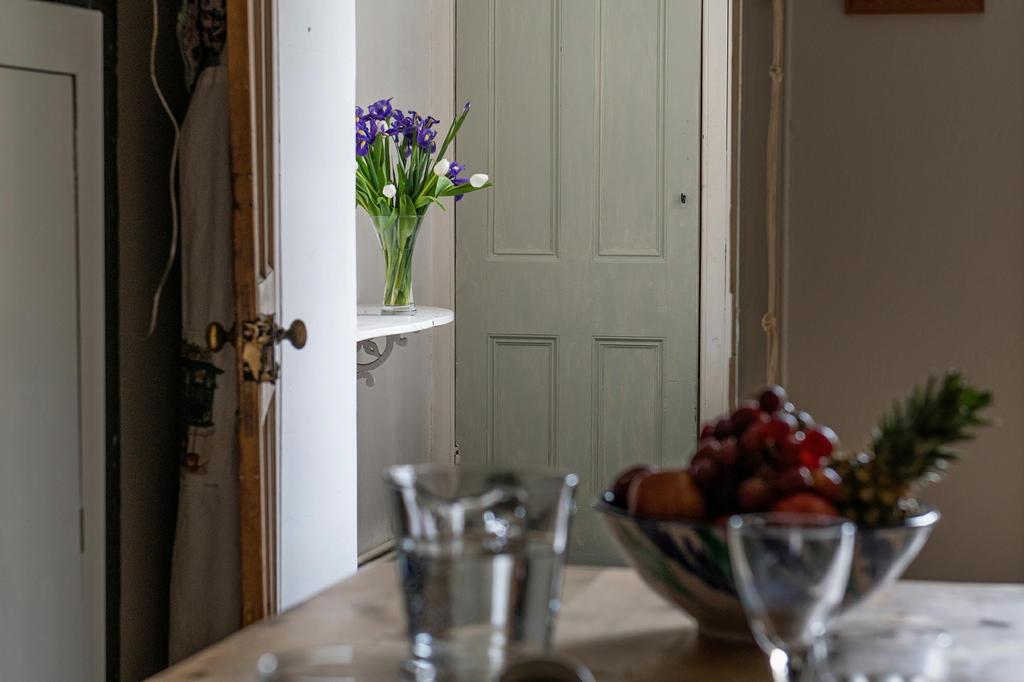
909 448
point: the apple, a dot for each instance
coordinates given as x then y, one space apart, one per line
618 494
666 494
805 503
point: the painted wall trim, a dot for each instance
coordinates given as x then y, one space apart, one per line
717 313
442 100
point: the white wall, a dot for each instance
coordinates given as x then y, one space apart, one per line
903 218
395 413
316 53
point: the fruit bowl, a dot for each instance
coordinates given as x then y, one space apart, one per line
687 563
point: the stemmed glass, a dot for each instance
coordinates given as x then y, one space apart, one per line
791 572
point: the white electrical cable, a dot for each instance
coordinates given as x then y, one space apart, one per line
173 172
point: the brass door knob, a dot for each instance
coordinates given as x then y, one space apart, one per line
258 338
296 333
217 337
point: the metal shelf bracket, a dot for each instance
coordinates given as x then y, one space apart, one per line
370 347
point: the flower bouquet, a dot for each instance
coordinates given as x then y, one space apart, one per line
398 177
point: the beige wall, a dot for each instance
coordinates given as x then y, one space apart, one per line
394 414
149 366
904 233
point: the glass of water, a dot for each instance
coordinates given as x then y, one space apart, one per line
791 572
480 559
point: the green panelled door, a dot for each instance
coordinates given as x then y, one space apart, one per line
577 276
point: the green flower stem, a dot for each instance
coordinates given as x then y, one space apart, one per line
397 241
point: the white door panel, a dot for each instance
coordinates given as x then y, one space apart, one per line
40 482
51 354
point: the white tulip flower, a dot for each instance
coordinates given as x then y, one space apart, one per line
389 191
478 179
441 167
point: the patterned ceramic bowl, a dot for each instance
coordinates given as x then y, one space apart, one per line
688 563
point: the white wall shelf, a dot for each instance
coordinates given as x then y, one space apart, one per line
371 324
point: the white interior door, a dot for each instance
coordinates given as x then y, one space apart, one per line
51 357
577 275
317 461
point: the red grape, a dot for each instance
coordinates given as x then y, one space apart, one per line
707 446
707 431
820 441
749 461
723 428
704 469
795 480
803 419
772 398
753 494
744 415
789 449
755 436
779 427
726 455
809 460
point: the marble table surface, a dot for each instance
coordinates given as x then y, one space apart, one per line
622 631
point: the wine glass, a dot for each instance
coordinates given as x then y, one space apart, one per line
791 572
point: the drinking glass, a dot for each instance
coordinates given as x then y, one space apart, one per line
480 559
791 572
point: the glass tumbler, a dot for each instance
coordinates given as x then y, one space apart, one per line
791 572
480 559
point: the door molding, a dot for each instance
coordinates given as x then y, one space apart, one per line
719 83
442 100
717 306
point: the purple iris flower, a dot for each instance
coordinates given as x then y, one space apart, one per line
363 142
457 182
399 123
425 137
359 114
366 134
381 109
454 170
465 109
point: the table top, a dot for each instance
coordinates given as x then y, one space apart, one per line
621 630
371 324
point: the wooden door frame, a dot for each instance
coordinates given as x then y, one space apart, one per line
719 87
251 82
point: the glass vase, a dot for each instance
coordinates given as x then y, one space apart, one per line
397 236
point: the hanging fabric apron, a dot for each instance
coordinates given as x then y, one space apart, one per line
205 600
